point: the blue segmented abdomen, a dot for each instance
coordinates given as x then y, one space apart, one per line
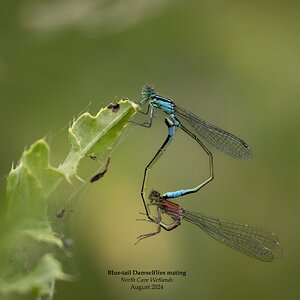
174 194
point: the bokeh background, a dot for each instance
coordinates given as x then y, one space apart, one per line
234 63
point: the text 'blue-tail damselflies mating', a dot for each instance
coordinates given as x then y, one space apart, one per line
196 128
252 241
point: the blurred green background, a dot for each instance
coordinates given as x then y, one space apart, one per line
234 63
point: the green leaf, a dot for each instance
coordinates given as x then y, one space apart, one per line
94 135
38 280
29 243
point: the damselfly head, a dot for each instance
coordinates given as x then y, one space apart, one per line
147 91
154 196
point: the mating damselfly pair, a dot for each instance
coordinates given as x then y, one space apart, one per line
252 241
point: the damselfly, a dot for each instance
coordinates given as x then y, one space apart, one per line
217 137
252 241
198 129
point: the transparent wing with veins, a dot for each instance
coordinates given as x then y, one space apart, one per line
217 137
255 242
